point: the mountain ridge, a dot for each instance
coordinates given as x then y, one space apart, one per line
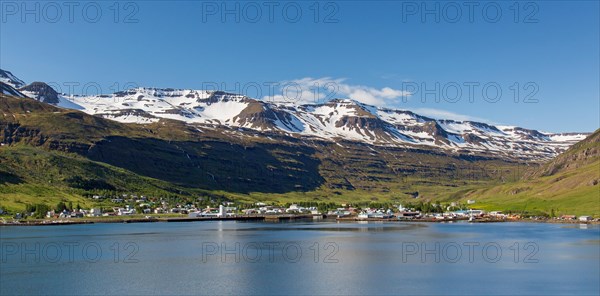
579 155
332 120
173 157
568 184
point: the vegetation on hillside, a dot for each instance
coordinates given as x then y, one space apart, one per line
569 184
49 155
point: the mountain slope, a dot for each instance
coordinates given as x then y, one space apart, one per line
241 162
35 175
198 141
577 156
10 79
41 92
9 90
168 151
569 184
334 120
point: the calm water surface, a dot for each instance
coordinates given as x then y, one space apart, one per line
227 257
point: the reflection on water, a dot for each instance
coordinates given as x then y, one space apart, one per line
360 226
227 257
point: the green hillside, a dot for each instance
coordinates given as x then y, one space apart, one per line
569 184
30 175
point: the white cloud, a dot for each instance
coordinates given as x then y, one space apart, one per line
319 90
443 114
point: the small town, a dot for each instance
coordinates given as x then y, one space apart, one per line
130 208
299 147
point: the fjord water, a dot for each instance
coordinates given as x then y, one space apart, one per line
228 257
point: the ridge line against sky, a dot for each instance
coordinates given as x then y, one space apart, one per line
548 71
362 94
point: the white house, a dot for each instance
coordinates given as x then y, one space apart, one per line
125 212
497 214
50 214
209 212
585 218
294 208
251 211
95 212
475 212
65 214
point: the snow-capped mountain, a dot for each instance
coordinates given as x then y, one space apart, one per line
11 91
41 92
339 119
10 79
335 120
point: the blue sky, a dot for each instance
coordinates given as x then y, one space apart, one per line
375 52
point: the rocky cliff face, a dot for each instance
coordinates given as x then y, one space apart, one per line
41 92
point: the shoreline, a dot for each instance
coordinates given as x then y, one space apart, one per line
275 219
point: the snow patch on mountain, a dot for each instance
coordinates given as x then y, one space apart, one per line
339 119
10 79
333 120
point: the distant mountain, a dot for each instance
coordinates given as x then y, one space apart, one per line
10 79
192 142
7 89
335 120
238 160
41 92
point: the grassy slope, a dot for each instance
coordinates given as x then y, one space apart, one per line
34 175
569 184
13 197
565 193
